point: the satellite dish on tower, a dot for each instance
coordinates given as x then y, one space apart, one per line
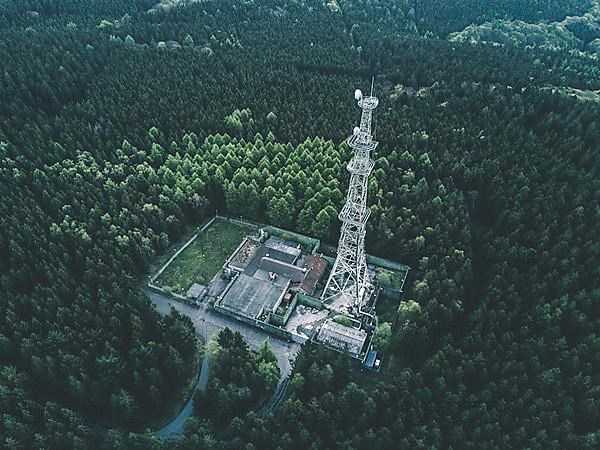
358 94
356 130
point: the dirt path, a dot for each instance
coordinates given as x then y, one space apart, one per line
275 399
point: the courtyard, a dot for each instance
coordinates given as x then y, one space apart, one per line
202 258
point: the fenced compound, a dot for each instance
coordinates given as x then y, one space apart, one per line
219 243
387 263
272 329
309 245
177 253
240 221
200 258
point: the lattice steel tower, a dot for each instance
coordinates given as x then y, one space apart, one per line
349 280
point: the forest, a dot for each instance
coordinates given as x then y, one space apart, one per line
240 379
124 123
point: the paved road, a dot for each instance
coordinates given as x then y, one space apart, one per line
176 427
208 322
275 399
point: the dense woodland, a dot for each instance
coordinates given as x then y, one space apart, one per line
240 379
442 16
113 140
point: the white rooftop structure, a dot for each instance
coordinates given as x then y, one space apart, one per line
195 291
339 336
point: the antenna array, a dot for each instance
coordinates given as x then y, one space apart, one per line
349 279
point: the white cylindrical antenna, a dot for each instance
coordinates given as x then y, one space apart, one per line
358 95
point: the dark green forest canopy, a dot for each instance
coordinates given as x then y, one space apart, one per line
486 183
444 16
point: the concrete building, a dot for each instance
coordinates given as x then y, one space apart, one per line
264 279
338 337
252 297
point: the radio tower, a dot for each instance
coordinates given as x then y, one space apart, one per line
349 280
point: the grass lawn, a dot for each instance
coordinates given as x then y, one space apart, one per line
203 258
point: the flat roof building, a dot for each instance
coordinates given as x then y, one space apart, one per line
283 246
262 274
244 254
250 296
316 266
339 336
293 273
263 251
195 291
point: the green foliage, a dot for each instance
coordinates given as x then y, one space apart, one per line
203 258
382 336
390 278
443 16
265 353
188 41
123 406
240 378
322 227
343 320
279 212
239 120
30 424
500 338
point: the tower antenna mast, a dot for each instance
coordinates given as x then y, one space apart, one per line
349 280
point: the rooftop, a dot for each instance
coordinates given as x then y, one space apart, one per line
248 296
316 266
339 336
262 251
304 320
196 290
370 360
289 247
245 254
282 269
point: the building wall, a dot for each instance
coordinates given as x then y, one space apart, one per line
276 331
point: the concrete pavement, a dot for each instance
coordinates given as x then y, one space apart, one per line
207 322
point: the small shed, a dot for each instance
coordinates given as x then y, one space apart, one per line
195 291
341 336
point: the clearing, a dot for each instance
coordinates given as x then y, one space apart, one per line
203 258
